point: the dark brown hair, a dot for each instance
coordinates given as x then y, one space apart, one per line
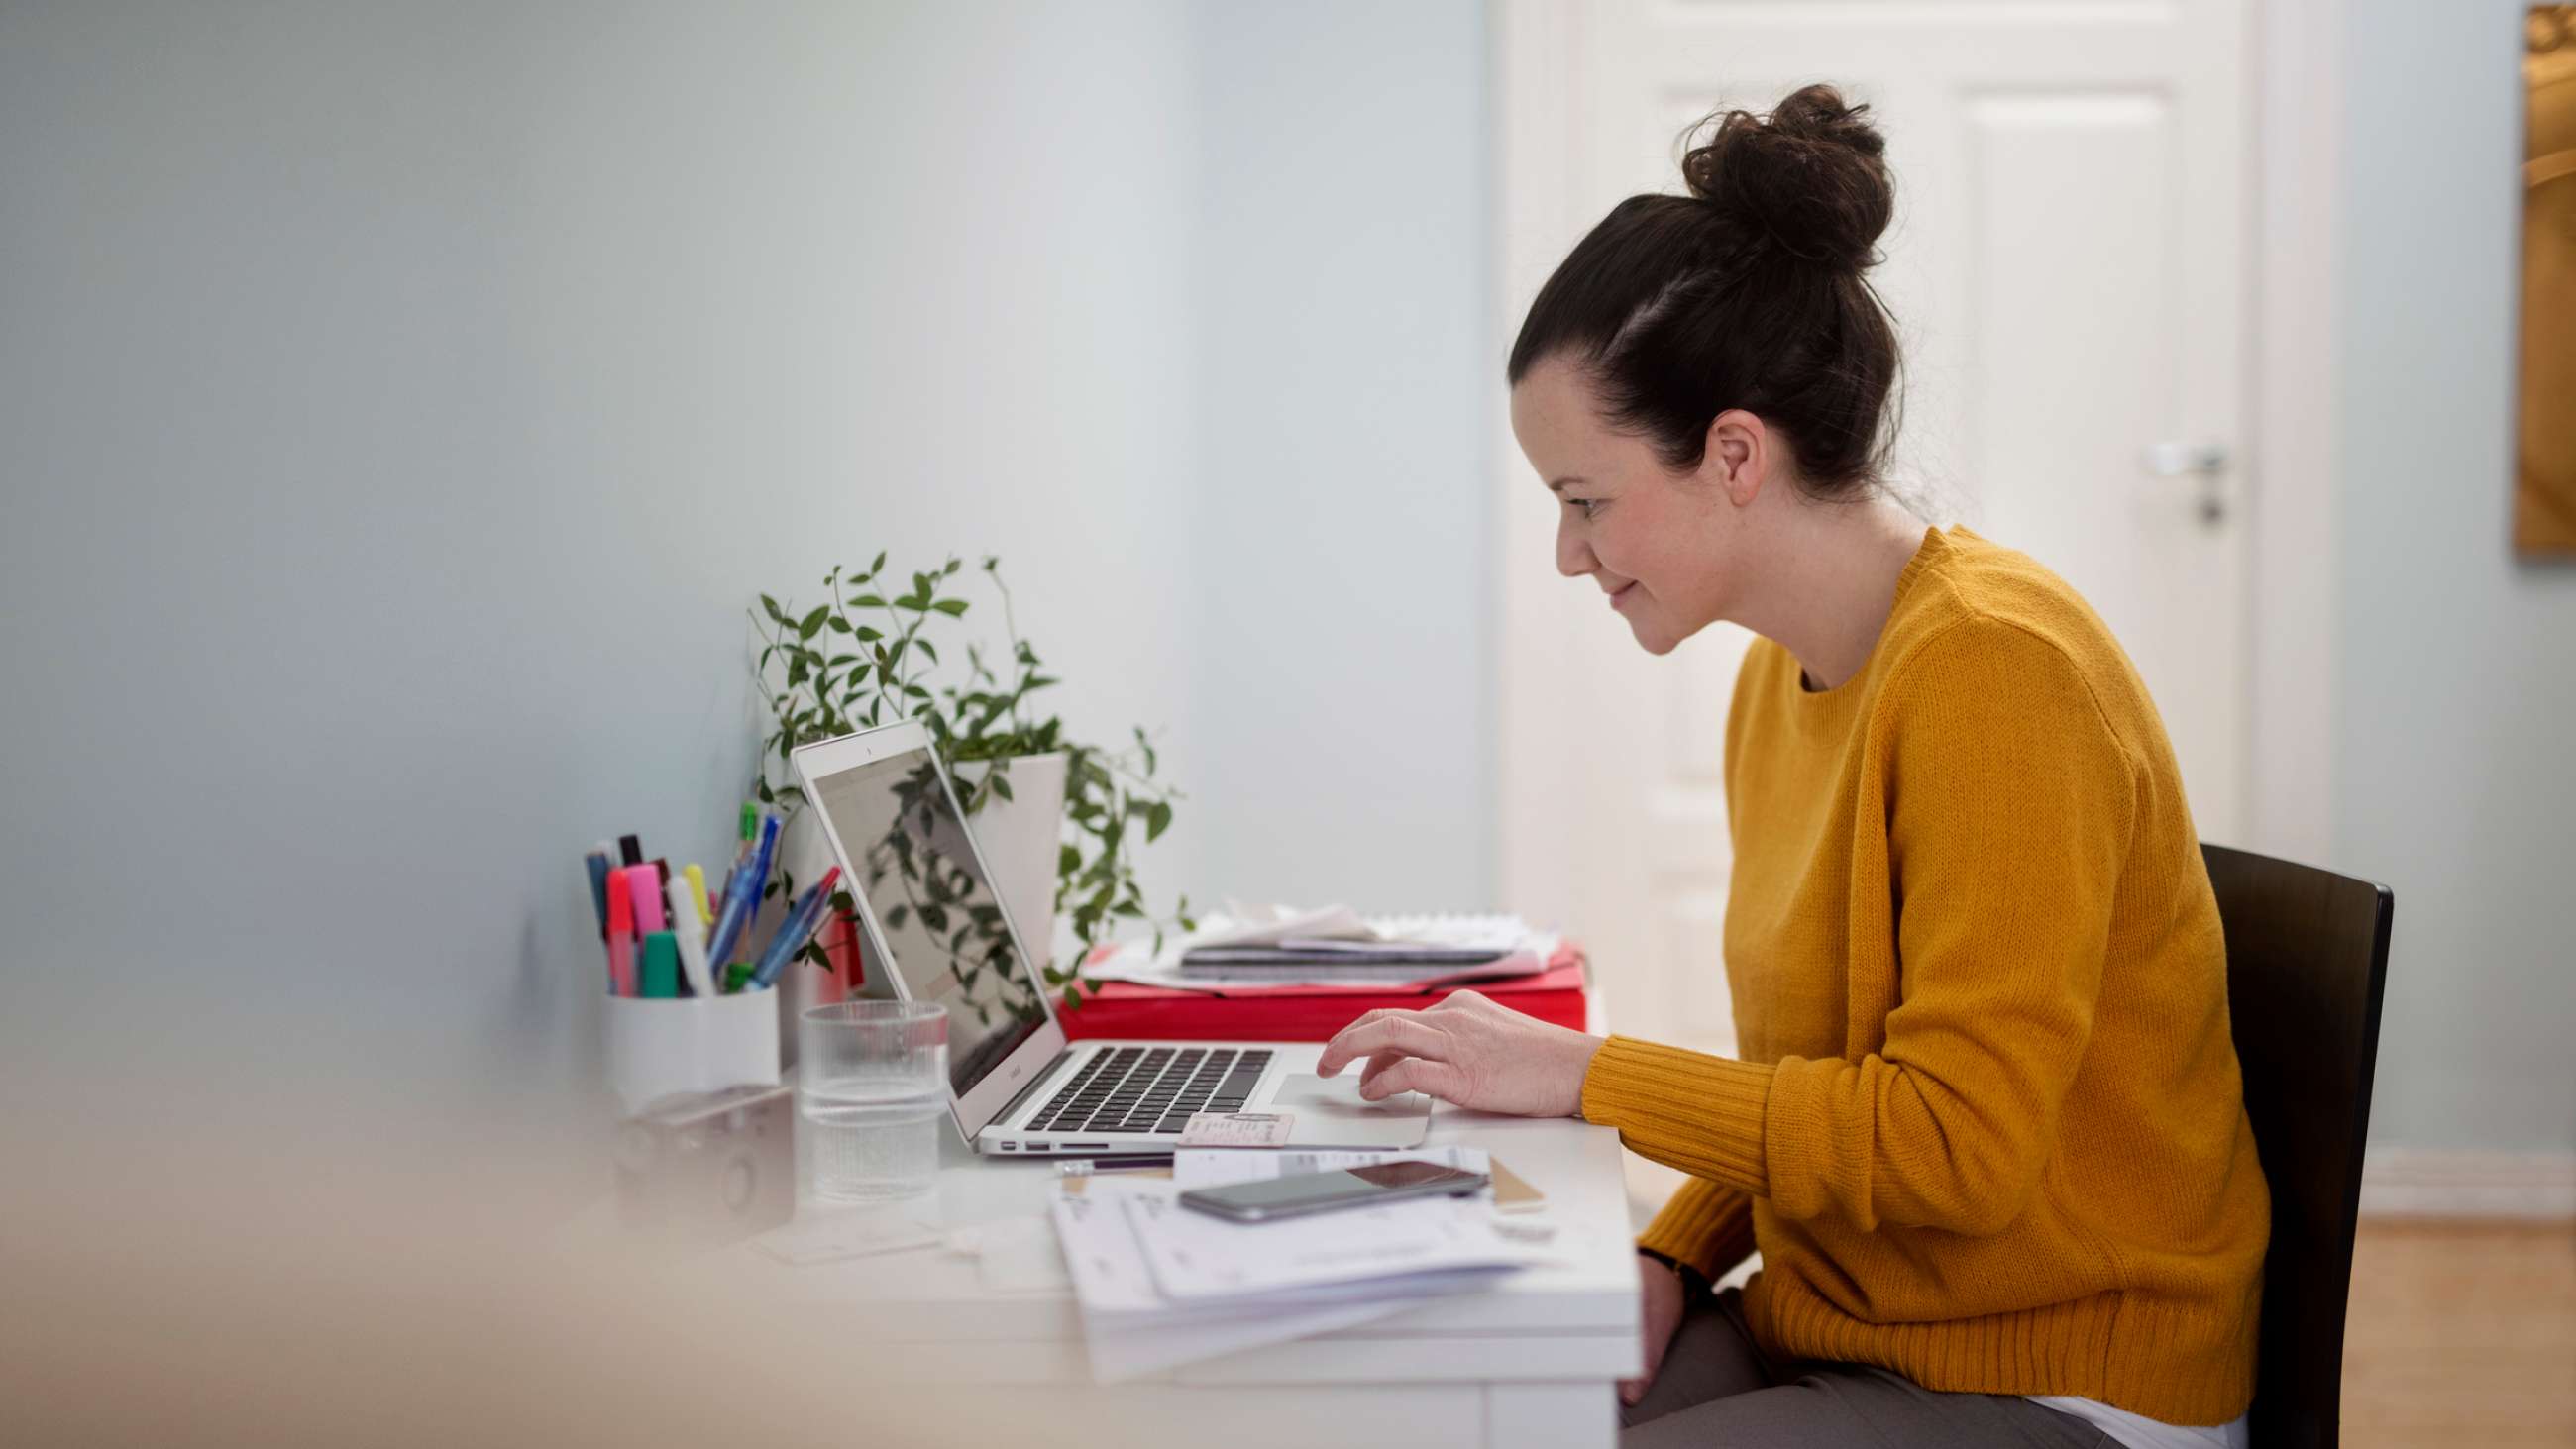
1747 293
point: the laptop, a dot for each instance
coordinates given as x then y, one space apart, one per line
941 932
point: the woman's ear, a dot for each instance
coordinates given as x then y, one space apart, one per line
1739 456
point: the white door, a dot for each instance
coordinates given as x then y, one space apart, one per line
2065 274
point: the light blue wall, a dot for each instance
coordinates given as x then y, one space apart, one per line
399 408
2456 664
400 405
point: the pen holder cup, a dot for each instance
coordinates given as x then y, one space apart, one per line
661 1046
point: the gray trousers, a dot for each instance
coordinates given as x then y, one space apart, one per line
1716 1388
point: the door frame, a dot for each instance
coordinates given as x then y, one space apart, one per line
2292 261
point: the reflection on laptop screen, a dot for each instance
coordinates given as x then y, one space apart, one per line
943 927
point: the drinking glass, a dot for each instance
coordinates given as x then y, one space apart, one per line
871 1086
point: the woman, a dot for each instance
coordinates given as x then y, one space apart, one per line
1987 1131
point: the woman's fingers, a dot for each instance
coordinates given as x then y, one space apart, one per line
1415 1074
1396 1031
1377 1064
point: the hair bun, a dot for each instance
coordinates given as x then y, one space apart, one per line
1811 176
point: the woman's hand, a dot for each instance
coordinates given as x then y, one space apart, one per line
1469 1052
1662 1315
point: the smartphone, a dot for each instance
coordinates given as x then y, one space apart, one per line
1323 1192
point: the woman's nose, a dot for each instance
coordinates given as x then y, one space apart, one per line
1573 556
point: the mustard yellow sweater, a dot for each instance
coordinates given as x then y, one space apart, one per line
1987 1130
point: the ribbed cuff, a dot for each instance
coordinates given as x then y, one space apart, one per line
1708 1227
1685 1109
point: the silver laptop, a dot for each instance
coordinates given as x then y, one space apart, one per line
940 932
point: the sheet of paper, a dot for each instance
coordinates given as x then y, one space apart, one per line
1513 1194
1195 1169
1238 1129
1193 1256
1138 961
1131 1329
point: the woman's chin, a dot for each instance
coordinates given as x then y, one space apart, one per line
1652 638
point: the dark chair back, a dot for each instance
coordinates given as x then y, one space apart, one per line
2307 954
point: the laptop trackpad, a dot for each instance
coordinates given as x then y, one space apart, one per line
1331 1114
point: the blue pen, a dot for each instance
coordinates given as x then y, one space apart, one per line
742 900
799 927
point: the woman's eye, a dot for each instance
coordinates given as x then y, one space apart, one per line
1587 505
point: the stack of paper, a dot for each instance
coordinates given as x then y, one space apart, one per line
1161 1285
1275 945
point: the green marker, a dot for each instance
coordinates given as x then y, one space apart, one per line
736 976
750 821
661 966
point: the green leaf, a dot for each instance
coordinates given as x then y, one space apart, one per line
771 605
839 624
1001 787
897 916
867 634
805 627
879 564
867 601
951 607
1158 820
1067 860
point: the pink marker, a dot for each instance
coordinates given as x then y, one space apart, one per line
645 890
621 935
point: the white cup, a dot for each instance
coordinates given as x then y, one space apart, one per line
658 1047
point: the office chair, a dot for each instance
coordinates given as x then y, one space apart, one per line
2307 955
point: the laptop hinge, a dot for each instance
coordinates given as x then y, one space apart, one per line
1035 1082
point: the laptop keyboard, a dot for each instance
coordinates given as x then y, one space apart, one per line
1151 1089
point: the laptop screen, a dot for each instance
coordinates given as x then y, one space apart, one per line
942 926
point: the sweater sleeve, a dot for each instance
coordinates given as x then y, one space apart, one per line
1706 1225
2009 809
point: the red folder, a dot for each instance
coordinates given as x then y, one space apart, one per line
1305 1012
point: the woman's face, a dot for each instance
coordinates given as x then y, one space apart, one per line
1661 545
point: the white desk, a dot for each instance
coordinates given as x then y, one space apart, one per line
1532 1361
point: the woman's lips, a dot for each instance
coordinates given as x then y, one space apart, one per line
1619 596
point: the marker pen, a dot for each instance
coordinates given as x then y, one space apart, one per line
644 888
621 936
698 896
692 934
661 966
597 864
630 850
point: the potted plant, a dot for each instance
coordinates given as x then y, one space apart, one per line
1060 820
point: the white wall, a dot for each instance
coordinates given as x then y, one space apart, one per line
2456 663
1343 679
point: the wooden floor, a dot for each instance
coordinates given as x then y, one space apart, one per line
2461 1334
